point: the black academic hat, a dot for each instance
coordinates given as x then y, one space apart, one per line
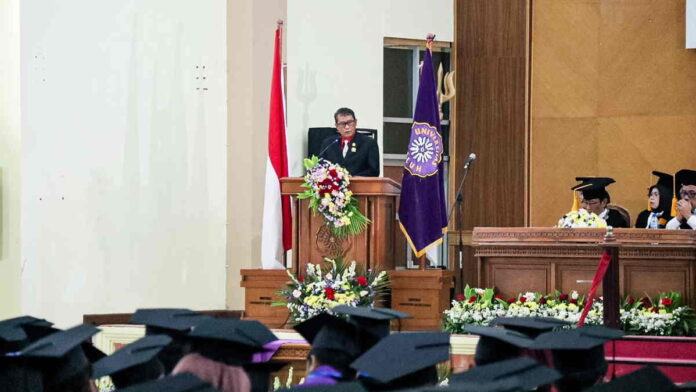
593 187
401 354
184 382
375 321
578 354
497 344
339 387
61 353
259 374
19 376
16 332
521 373
168 319
530 326
134 363
328 332
665 185
684 177
230 341
647 379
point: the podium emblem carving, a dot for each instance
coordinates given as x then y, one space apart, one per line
330 245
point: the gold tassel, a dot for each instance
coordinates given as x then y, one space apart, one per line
576 202
674 206
649 208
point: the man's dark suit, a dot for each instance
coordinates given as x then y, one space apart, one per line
362 158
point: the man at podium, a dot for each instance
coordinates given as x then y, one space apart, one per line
359 154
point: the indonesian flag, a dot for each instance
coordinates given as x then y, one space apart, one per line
276 236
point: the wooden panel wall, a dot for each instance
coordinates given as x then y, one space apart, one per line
613 93
491 61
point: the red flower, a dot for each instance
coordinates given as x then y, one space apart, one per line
333 173
523 299
512 300
460 297
329 292
666 301
300 279
498 296
573 301
563 297
542 300
655 310
646 302
472 298
362 281
630 301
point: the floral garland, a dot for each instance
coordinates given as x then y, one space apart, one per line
661 315
320 290
581 218
329 195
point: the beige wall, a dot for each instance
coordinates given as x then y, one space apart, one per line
10 147
250 33
613 94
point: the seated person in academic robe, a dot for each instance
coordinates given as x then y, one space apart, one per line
686 207
659 203
595 198
359 154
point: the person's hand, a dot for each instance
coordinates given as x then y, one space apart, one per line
683 209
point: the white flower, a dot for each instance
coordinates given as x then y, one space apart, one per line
363 293
329 276
574 294
296 293
480 291
529 296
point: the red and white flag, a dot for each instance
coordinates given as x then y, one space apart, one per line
276 236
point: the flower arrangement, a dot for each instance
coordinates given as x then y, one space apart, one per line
319 289
329 196
662 315
581 219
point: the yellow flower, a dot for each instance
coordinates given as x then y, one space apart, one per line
551 302
663 311
345 220
562 307
532 305
327 195
572 307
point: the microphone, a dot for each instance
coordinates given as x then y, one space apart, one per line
469 160
329 145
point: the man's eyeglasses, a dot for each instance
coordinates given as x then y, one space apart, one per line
345 124
690 194
590 203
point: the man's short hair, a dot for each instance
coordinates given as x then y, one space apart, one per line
343 112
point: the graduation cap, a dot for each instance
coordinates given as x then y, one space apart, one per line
17 332
578 353
230 341
647 379
530 326
664 185
682 177
61 353
405 359
339 387
520 373
328 332
592 188
259 374
184 382
134 363
497 344
373 321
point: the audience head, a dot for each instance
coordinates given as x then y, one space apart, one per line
374 323
134 363
594 194
497 344
686 182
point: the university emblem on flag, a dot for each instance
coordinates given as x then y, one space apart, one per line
424 150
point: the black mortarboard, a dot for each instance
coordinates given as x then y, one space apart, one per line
647 379
230 341
331 333
259 374
497 344
530 326
175 323
184 382
62 353
134 363
402 354
578 354
339 387
593 187
17 332
373 321
522 373
684 177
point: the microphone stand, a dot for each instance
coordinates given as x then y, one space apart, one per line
459 201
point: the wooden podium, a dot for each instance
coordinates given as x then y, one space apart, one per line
374 248
518 259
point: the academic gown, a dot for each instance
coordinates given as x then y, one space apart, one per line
642 220
362 158
616 220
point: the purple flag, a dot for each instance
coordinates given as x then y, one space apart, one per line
422 212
